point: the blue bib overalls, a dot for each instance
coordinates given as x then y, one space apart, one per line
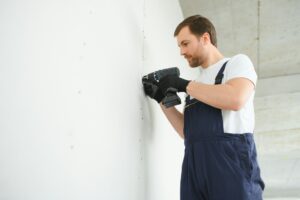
217 165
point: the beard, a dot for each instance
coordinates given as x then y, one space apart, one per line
193 61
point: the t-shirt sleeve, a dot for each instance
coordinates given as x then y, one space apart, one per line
240 66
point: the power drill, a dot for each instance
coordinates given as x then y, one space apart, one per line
152 79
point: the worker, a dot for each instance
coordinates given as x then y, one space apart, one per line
217 124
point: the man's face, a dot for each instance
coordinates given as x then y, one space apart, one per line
191 47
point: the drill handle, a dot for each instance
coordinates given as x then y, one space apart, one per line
171 98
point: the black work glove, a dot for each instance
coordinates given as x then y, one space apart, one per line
157 96
173 82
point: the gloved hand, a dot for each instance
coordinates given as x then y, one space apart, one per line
157 96
173 81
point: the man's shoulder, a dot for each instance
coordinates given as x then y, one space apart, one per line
240 61
240 57
240 65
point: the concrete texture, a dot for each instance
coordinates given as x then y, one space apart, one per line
279 38
269 32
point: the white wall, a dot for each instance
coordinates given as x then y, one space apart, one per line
70 100
163 147
74 122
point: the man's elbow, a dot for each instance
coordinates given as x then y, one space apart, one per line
237 104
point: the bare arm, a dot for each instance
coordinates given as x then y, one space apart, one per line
229 96
175 118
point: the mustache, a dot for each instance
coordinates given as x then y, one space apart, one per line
187 56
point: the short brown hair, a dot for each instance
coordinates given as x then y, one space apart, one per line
198 25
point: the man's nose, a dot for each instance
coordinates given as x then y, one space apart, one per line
182 51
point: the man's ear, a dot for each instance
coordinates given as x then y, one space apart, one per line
206 38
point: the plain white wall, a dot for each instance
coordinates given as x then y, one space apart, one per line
74 122
70 112
163 147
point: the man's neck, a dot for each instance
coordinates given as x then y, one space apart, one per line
214 57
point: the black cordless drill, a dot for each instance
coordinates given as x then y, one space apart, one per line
152 80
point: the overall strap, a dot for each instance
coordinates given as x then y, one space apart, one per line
219 77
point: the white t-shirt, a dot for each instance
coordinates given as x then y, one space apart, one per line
238 66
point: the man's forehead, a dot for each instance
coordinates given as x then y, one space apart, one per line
184 35
184 31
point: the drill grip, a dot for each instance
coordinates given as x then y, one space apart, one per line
171 98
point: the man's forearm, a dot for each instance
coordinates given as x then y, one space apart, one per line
175 118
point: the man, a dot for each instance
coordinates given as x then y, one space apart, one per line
218 121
